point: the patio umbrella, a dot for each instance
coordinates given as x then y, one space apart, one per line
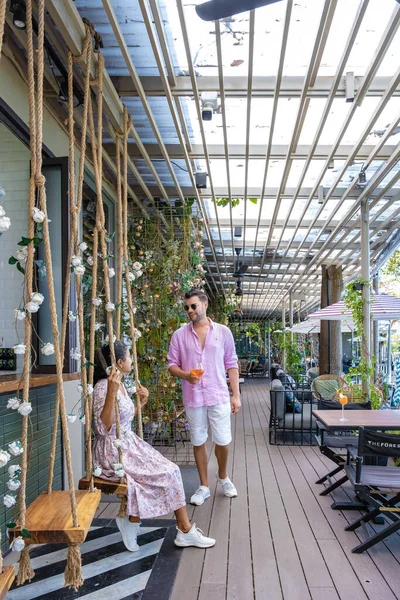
383 308
314 326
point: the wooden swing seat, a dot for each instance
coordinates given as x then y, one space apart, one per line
106 486
49 519
6 579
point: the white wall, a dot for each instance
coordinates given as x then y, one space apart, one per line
76 434
14 179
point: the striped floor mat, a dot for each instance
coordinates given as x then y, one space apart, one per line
109 570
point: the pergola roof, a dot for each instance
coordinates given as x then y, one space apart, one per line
287 131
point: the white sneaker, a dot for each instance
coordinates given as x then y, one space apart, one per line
129 532
229 489
200 495
194 537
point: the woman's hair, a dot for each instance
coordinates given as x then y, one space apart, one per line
103 359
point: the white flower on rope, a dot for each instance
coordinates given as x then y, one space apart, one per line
9 500
108 338
111 272
76 261
38 215
22 254
79 270
2 212
90 261
137 334
136 266
89 388
19 314
32 307
108 370
14 470
75 354
118 469
131 389
25 408
19 349
83 246
131 276
13 403
4 458
17 544
13 484
98 326
15 448
71 418
82 419
96 301
72 316
117 443
47 349
97 471
37 298
5 224
110 306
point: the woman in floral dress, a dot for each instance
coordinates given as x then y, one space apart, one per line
154 483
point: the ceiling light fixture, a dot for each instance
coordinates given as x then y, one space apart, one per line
18 9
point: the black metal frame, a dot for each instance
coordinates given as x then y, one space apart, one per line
371 493
279 432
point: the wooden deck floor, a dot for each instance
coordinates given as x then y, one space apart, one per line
279 538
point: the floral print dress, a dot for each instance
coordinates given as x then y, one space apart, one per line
154 483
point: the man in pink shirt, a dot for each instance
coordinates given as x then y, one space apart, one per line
206 398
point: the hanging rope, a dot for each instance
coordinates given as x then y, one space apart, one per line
37 182
3 6
127 125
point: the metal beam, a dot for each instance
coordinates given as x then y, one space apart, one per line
256 151
263 87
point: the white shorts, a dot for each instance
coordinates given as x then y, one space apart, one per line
217 417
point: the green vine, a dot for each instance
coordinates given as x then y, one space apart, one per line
354 301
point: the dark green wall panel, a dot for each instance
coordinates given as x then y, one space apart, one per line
40 429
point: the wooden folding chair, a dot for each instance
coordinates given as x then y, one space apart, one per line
377 486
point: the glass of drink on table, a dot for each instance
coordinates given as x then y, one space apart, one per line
197 371
343 402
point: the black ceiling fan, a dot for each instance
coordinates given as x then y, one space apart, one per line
240 268
219 9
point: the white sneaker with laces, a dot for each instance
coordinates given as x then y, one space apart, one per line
229 489
200 495
129 532
194 537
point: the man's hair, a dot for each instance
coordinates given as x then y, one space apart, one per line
196 292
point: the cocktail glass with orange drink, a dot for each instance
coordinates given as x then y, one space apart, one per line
197 371
343 401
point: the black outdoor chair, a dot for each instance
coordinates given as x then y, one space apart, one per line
334 445
375 485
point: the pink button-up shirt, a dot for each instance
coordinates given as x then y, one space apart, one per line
217 357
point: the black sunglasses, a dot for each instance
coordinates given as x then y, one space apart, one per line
192 306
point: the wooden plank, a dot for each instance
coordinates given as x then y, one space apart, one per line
214 574
12 383
6 579
49 518
324 593
293 582
265 569
107 487
111 511
188 579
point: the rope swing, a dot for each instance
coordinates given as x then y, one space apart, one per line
53 516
